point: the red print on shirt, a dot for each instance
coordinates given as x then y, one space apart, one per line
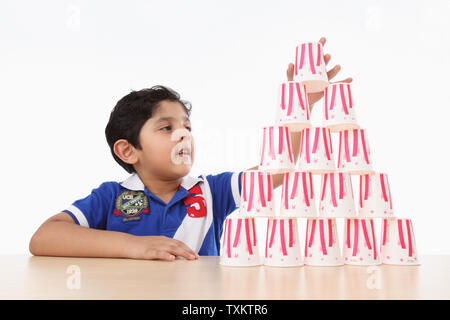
195 203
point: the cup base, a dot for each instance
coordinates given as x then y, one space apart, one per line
412 264
357 172
343 127
276 170
334 216
318 171
376 216
298 215
255 214
283 265
236 264
363 264
324 265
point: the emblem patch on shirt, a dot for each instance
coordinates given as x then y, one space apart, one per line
130 204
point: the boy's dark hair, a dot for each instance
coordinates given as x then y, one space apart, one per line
130 114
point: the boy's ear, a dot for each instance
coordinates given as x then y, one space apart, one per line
125 151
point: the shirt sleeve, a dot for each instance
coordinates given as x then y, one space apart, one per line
92 211
226 192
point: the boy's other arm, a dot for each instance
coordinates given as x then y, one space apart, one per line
61 236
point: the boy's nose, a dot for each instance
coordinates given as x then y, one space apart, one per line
180 134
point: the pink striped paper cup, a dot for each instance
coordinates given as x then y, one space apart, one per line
239 245
316 151
309 66
257 196
322 243
339 108
354 152
293 106
282 243
297 195
398 243
336 198
360 246
276 155
375 199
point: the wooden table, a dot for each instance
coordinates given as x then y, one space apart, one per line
29 277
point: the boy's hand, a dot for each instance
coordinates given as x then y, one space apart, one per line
158 248
316 96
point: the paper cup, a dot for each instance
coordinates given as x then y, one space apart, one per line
354 152
257 194
282 243
239 245
375 196
336 199
316 151
360 243
293 106
322 243
297 195
398 244
339 109
276 155
309 66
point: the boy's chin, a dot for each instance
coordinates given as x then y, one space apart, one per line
182 170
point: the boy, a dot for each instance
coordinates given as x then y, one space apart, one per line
159 212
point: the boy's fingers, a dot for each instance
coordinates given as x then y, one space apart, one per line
182 245
333 72
327 58
163 255
290 72
322 41
348 80
180 252
181 249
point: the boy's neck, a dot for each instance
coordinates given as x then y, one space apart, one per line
163 189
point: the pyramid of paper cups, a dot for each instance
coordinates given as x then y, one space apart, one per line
299 198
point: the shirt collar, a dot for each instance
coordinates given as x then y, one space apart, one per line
135 183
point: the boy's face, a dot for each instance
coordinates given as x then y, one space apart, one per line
167 148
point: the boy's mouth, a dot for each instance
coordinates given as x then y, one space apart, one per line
184 153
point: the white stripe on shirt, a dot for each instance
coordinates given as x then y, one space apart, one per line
79 215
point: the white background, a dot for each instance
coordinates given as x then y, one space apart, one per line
64 65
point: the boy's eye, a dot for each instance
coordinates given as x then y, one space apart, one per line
168 128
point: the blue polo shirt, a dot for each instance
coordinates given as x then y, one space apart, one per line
195 215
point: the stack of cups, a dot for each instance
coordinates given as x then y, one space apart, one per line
336 197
